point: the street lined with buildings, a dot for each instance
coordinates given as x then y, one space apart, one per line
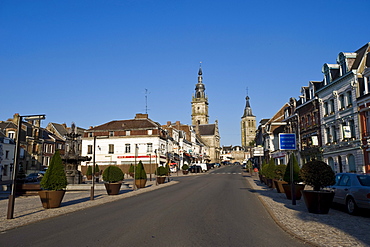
335 229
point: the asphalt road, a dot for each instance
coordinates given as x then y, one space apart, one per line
216 209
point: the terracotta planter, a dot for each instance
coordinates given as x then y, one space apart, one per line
89 177
318 202
51 198
113 188
140 183
185 172
160 180
279 186
298 188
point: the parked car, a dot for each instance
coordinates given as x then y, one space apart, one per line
352 190
32 177
195 169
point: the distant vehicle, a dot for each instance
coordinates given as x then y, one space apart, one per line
353 191
32 177
236 163
203 165
195 169
217 165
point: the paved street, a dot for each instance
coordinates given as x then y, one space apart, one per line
206 210
221 203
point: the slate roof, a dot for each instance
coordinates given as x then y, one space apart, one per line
207 129
126 125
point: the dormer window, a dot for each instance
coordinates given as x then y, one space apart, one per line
111 133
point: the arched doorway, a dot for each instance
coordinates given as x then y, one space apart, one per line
351 163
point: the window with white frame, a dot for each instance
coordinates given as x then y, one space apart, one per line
351 124
89 149
334 133
327 132
349 98
128 132
149 147
127 148
341 101
111 149
11 134
367 119
332 106
326 109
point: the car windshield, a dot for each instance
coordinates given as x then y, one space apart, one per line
364 180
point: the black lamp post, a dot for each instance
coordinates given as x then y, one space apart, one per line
10 214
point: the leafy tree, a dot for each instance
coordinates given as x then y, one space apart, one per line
113 174
317 174
55 177
89 171
140 171
292 162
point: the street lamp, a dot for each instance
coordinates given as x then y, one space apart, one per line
10 214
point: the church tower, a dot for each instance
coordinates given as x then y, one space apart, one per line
248 125
199 104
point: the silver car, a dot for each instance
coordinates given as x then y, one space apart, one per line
352 190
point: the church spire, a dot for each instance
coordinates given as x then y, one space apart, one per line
200 87
247 109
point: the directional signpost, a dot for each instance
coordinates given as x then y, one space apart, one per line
287 141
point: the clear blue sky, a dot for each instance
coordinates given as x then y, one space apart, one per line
89 62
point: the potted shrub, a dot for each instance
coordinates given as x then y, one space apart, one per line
262 173
53 183
131 170
161 173
296 179
89 173
140 176
270 173
113 177
319 175
184 169
279 174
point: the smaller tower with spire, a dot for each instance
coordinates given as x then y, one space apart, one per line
248 125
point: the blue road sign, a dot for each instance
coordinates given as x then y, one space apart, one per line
287 141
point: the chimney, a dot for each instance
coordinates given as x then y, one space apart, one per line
168 123
141 116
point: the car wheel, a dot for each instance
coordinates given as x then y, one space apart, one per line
351 206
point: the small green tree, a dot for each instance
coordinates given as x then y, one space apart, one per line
292 162
55 177
161 171
280 171
263 169
185 167
168 169
113 174
96 170
270 169
131 169
140 171
89 171
317 174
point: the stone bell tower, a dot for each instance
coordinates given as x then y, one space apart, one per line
199 103
248 125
